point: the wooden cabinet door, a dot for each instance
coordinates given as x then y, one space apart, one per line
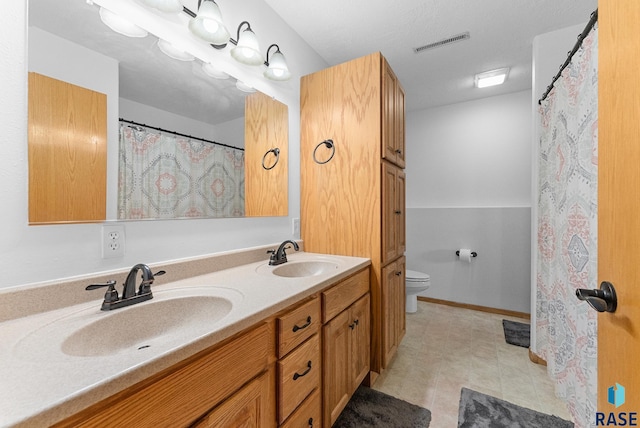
400 212
393 212
401 300
389 105
361 339
336 367
389 317
247 408
399 125
393 309
389 216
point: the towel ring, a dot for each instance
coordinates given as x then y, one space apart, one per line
329 144
276 152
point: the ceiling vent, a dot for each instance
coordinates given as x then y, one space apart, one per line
447 41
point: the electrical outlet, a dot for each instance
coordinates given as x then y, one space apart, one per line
112 241
296 227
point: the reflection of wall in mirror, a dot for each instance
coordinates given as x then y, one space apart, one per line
64 60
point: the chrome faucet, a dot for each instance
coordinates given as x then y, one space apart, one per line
129 295
279 256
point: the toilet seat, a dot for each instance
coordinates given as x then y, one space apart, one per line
415 276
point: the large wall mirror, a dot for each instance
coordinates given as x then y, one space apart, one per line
163 117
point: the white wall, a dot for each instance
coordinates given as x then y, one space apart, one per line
468 185
549 52
38 253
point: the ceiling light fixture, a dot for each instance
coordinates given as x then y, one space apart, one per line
491 78
208 25
277 67
247 50
168 6
121 25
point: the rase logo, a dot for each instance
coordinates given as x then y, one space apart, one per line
616 397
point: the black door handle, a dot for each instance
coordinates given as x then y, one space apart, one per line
603 299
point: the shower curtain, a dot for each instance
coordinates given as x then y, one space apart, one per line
167 176
566 328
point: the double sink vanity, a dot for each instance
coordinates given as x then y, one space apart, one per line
245 342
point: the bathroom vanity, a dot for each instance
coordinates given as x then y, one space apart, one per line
251 344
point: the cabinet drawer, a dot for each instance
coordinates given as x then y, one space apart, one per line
308 414
298 325
338 298
298 375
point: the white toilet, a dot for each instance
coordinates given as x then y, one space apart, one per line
416 282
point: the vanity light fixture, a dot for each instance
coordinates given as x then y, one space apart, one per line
168 6
211 71
277 66
247 50
121 25
208 24
491 78
174 52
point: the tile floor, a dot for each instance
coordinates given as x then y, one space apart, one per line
447 348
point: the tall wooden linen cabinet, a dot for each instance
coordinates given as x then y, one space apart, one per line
353 183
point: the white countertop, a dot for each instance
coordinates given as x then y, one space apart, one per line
40 385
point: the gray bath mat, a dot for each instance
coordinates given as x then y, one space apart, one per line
371 408
481 411
516 333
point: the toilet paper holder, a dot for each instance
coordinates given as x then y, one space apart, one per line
473 253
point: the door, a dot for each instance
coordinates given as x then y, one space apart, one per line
361 333
619 199
336 381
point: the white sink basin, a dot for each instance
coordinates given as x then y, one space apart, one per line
301 268
172 318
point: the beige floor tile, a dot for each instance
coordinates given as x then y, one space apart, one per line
448 348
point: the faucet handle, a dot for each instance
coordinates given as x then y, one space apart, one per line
145 286
110 284
111 295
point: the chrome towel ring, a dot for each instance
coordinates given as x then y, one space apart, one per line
276 153
328 144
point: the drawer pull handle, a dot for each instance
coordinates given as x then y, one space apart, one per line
310 422
354 324
305 325
304 373
398 212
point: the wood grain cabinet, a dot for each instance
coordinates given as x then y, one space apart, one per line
393 215
352 190
393 119
300 365
233 376
296 369
346 336
393 308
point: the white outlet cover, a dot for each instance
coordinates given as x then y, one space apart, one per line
113 241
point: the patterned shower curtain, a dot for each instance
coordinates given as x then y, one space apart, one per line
166 176
566 328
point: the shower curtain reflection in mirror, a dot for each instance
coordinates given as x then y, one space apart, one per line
164 176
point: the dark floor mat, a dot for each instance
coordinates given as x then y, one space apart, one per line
516 333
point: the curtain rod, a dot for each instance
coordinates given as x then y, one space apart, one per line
581 37
179 134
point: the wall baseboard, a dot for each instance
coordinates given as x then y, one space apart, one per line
535 358
477 308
